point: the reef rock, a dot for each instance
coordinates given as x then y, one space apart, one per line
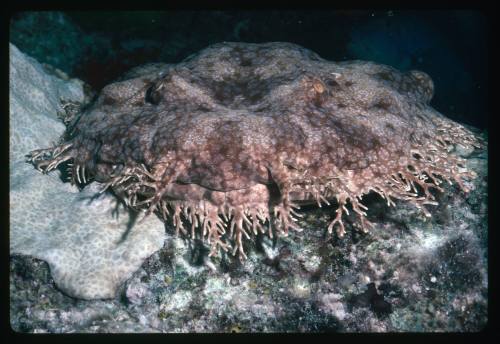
89 251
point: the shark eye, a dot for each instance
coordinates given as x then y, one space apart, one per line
153 94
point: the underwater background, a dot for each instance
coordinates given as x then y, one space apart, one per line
97 47
405 276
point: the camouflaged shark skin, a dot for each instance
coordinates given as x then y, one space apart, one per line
231 141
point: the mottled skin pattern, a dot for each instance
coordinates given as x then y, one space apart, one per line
232 139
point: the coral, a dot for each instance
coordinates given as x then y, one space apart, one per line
90 252
234 139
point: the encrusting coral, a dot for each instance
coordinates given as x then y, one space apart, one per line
235 138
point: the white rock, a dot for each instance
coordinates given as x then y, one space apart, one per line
332 304
89 251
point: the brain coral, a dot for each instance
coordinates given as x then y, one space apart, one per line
92 256
232 140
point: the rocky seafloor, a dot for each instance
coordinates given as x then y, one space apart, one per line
405 275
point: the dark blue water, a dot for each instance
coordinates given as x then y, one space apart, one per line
451 46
